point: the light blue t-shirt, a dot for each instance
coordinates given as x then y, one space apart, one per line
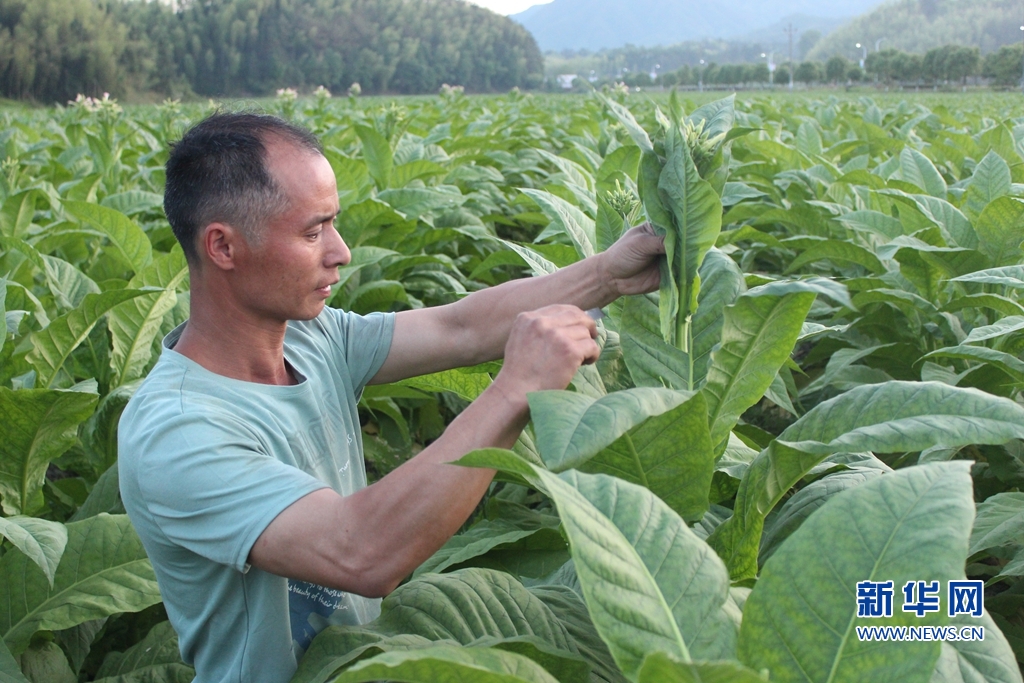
206 462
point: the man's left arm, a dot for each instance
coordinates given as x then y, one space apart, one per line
476 328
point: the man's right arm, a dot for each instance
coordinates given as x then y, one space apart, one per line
368 542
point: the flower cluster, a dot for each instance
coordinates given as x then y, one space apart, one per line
624 203
105 104
287 94
321 94
452 92
702 146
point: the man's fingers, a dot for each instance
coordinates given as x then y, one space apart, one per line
648 240
591 352
566 315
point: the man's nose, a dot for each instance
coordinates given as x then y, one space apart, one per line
338 253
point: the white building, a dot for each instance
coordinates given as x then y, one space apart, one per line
565 80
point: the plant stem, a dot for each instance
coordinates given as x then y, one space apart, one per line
683 342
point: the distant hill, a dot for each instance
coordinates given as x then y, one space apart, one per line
596 24
920 25
775 34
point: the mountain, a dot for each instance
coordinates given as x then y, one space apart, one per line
920 25
775 34
596 24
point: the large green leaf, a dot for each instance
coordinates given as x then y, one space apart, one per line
42 540
991 180
104 571
799 621
690 581
134 201
10 672
488 535
414 202
19 210
448 664
874 222
838 252
1000 521
77 641
721 282
954 225
468 604
717 116
467 385
568 606
918 169
68 284
538 264
995 302
696 211
154 659
661 668
567 219
906 416
569 427
52 345
134 324
884 418
808 139
1000 228
1011 365
650 583
652 361
377 153
842 371
670 454
99 433
337 647
104 497
131 245
806 501
1008 276
564 666
989 660
757 338
1000 328
576 173
625 117
39 425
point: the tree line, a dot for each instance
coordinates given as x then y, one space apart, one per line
947 65
51 50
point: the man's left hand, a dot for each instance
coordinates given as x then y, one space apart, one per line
630 266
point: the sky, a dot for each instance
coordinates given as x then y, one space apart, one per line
508 6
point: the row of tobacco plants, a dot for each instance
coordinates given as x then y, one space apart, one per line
824 392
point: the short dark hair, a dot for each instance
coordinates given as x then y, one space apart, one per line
217 173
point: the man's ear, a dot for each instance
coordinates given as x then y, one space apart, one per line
219 243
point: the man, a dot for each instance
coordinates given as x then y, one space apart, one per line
240 455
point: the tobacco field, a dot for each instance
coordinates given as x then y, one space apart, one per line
826 390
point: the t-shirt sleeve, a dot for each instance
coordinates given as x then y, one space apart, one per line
365 340
210 489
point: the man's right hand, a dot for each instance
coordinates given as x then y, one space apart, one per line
545 349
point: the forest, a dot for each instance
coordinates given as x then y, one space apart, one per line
51 50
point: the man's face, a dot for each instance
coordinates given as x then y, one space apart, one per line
288 272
